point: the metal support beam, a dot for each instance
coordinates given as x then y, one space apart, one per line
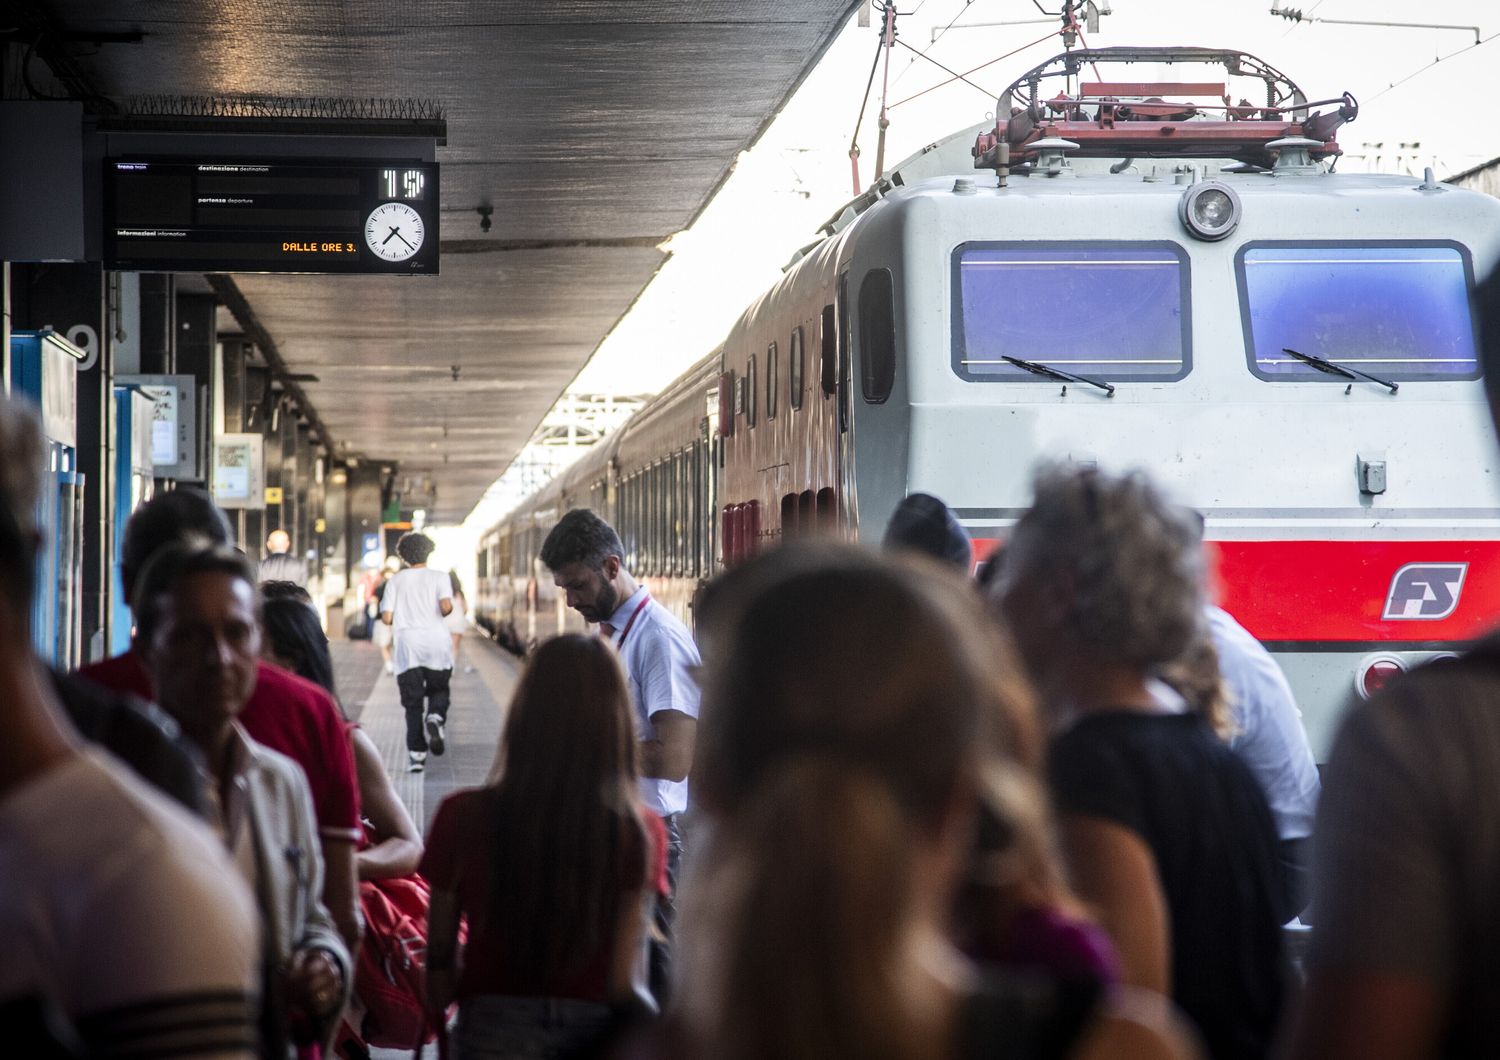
229 293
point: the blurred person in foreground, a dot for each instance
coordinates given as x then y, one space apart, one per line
1228 675
125 725
415 605
587 562
197 624
1405 958
854 721
1166 833
551 865
119 911
285 713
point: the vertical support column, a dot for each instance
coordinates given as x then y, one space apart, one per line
197 355
158 315
232 365
70 299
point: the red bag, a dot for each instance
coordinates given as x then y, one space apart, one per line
390 975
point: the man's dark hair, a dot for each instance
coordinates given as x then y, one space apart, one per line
1487 313
168 518
414 548
580 536
173 564
922 523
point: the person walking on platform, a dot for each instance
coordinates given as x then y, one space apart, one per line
551 866
198 627
285 713
123 923
458 619
280 565
587 562
415 604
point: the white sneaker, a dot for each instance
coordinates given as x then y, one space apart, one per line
416 761
436 733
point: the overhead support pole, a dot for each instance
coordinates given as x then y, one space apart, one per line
888 39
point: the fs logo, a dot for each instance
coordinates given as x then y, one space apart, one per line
1426 591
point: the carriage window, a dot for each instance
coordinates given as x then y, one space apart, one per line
794 369
877 336
772 378
750 395
830 352
1396 311
1115 311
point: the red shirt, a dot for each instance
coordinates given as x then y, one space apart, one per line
287 714
461 852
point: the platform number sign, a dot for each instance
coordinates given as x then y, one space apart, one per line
402 183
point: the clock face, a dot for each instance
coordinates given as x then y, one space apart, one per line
394 231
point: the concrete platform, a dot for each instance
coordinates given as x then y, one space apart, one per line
482 684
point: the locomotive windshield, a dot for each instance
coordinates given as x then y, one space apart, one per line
1399 311
1115 311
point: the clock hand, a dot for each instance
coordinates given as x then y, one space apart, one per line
395 231
403 239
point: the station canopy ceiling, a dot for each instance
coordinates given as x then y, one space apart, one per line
595 130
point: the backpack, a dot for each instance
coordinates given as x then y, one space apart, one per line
390 974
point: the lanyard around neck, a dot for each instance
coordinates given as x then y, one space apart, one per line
631 623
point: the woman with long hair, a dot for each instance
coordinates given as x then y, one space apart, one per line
1167 833
551 864
857 712
295 641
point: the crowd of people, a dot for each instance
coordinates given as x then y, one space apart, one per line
870 806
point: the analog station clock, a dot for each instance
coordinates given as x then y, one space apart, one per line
394 231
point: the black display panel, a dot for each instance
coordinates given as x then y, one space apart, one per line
200 215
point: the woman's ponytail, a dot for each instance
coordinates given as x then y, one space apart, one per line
811 900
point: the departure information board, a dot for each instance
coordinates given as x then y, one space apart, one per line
192 215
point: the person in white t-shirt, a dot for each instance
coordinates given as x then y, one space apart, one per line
121 915
415 603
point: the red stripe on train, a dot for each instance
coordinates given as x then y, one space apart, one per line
1339 590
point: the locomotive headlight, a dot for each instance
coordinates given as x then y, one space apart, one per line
1210 210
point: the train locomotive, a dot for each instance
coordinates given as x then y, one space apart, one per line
1121 274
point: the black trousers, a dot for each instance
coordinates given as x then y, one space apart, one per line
423 692
666 913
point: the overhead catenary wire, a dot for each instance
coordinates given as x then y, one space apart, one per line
1429 66
964 76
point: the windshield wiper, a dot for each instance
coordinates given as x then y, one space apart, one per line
1324 365
1037 368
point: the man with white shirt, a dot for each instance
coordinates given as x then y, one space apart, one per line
588 564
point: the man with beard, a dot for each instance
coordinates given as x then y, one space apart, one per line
587 562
